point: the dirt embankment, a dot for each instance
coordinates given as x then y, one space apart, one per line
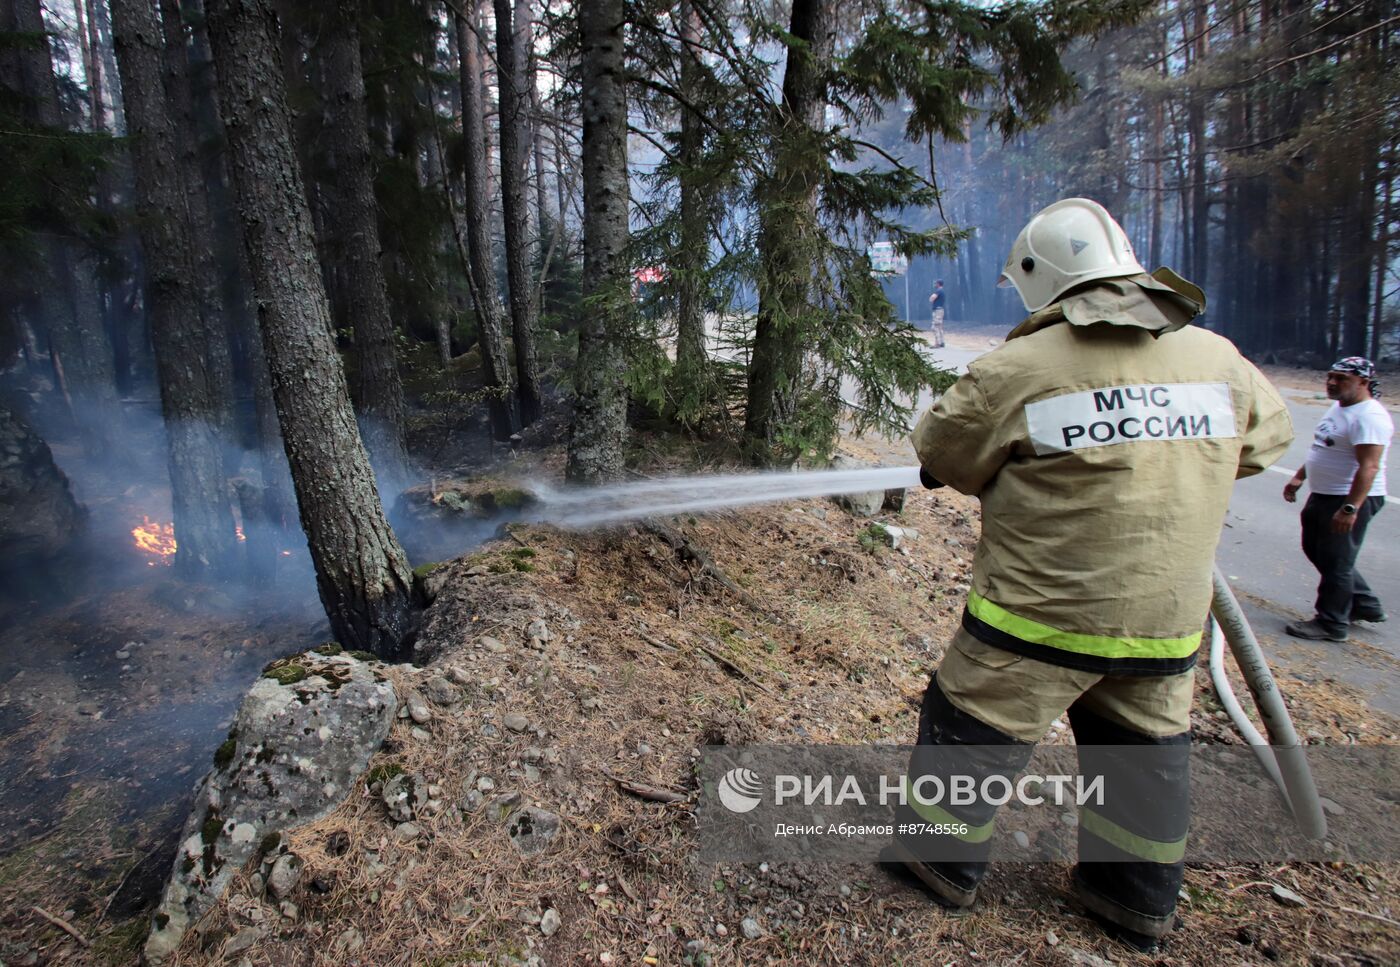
592 667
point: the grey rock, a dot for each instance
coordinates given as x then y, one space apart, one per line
866 504
550 922
402 795
242 940
1022 840
503 805
419 735
486 784
289 910
282 880
472 801
533 829
442 692
349 941
1287 897
1330 807
407 832
528 915
1086 959
418 709
750 929
516 722
300 750
493 645
538 629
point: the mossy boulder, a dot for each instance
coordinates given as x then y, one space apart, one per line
330 710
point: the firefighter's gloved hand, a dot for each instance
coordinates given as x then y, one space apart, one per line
929 481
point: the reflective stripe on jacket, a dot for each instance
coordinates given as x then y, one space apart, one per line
1104 443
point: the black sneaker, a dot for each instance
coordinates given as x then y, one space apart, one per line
1314 631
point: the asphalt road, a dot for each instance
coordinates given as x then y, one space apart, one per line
1261 557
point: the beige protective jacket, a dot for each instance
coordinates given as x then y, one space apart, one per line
1103 439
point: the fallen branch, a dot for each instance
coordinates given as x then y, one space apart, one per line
688 551
725 662
655 642
643 791
63 925
1373 916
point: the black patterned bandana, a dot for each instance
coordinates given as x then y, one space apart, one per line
1359 366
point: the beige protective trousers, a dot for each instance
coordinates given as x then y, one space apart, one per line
1021 696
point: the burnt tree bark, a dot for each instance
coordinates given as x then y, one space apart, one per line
599 429
199 492
512 44
787 232
352 243
361 571
481 256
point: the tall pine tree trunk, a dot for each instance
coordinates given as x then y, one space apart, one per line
199 492
231 258
512 41
599 429
1200 190
352 228
481 256
692 381
361 571
218 360
79 349
787 238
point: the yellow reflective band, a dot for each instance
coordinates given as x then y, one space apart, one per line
1103 646
1154 851
933 814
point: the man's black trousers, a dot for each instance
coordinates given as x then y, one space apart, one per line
1342 593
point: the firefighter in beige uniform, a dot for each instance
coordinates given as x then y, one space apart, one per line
1103 440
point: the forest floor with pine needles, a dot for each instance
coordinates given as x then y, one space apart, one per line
647 660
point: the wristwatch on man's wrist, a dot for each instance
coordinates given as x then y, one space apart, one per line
1348 509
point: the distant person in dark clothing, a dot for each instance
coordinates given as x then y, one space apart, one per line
938 302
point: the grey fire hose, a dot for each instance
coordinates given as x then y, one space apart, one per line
1282 754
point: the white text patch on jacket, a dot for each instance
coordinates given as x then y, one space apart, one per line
1131 414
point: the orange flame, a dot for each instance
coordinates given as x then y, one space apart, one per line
156 539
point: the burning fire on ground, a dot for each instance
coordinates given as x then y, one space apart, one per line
158 540
155 539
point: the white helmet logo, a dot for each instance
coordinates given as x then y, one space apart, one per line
1067 244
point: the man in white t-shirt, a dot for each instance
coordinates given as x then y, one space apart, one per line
1346 472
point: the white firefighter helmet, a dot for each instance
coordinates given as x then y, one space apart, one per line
1072 241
